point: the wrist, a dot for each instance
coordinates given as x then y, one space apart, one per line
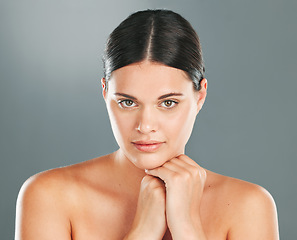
137 234
188 232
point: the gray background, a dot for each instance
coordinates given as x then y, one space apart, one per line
52 112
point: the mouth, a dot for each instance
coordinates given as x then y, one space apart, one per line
147 146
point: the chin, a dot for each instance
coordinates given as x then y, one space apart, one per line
147 165
150 160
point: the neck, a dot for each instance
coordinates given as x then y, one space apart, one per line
129 175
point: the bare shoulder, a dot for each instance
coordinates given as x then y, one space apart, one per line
62 182
46 200
251 209
239 190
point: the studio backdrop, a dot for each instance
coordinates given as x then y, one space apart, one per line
53 114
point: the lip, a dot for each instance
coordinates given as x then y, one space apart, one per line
147 146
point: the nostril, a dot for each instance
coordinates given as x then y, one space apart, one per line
146 128
147 121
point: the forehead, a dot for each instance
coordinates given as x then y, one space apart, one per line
150 78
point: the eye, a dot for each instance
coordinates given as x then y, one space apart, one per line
169 103
127 103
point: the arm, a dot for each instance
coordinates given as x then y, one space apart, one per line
256 217
40 211
149 221
184 180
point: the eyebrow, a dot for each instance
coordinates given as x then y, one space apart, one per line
125 95
159 98
170 95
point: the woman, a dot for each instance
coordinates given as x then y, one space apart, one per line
154 87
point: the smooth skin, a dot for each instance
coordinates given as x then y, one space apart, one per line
145 194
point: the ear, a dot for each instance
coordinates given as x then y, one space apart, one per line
103 84
202 94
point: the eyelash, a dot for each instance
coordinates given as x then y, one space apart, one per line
172 102
123 102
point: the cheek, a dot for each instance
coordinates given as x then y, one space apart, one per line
121 123
180 125
176 127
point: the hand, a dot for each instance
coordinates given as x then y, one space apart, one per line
150 219
184 181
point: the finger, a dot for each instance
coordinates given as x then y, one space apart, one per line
152 181
193 169
175 166
181 163
189 165
182 168
146 179
161 172
188 160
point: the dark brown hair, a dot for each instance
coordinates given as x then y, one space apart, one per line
161 36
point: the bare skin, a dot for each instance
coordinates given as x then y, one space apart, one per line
149 188
96 200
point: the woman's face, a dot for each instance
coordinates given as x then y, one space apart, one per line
152 109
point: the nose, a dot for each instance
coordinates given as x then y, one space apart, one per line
147 121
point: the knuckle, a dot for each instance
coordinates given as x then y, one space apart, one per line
176 177
154 182
151 184
187 175
203 174
145 180
195 172
158 192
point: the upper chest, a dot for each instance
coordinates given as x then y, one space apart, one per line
110 216
101 215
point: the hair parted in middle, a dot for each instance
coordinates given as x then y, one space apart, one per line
161 36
